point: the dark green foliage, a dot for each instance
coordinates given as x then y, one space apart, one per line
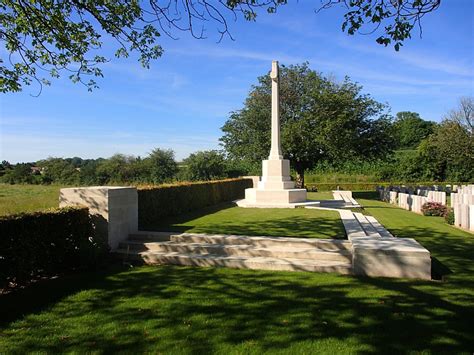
205 165
434 209
47 243
410 129
449 217
449 153
157 202
161 165
366 186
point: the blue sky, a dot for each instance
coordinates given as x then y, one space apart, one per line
186 96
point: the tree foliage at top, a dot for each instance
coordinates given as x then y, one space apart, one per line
320 121
47 38
410 129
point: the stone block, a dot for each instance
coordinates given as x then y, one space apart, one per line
471 218
114 210
403 200
276 170
454 198
457 214
393 197
464 212
391 257
268 197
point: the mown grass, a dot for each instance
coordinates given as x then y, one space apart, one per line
228 219
27 198
182 310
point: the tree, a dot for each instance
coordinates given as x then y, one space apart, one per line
320 121
48 38
205 165
464 113
59 170
448 154
410 129
161 165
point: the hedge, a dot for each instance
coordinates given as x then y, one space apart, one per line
46 244
367 186
158 202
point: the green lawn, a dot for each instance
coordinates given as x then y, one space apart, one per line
27 198
228 219
201 310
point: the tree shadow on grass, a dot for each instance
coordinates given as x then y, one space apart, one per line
201 310
307 226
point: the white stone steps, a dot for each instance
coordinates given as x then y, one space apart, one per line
368 228
379 228
258 263
315 253
262 241
151 236
351 225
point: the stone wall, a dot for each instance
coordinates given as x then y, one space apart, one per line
114 210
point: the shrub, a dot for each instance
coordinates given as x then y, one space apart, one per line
47 243
449 217
157 202
434 209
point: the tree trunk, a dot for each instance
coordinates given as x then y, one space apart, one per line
299 176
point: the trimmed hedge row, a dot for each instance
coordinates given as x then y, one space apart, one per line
367 186
47 243
157 202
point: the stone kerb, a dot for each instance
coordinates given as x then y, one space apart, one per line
114 210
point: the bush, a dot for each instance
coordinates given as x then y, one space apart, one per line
157 202
449 217
47 243
434 209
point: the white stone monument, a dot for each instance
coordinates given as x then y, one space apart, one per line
275 188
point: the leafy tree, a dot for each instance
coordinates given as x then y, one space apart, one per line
205 165
410 129
464 113
19 174
50 38
449 153
59 170
320 120
161 165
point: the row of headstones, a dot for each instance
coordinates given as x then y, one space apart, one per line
421 189
462 203
410 201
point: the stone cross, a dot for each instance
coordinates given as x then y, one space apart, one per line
275 151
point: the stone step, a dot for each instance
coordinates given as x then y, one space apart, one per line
379 228
368 228
258 263
313 253
262 241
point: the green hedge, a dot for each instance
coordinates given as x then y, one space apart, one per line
158 202
367 186
47 243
